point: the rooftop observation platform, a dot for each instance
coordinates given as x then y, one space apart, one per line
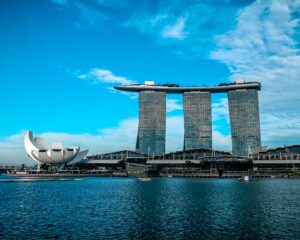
174 88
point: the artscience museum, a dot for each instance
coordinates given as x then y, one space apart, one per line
38 150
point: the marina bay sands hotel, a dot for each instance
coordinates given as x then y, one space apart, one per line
243 112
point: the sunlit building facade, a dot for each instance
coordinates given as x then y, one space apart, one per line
152 122
244 121
197 120
243 111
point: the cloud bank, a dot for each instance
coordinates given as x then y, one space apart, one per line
175 31
189 25
264 47
98 75
123 136
256 40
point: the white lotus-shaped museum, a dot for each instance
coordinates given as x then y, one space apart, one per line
38 150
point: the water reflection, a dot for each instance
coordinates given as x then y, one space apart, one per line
176 208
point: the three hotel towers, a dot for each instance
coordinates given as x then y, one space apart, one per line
243 114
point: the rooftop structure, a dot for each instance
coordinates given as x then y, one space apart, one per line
192 154
174 88
196 154
243 111
118 155
292 149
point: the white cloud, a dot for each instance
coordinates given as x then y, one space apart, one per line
189 24
108 78
176 30
12 150
123 136
173 105
174 133
220 110
99 75
221 141
175 136
113 3
262 47
131 95
61 2
89 14
278 129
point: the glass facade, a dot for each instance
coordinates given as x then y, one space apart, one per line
244 121
197 120
243 113
152 122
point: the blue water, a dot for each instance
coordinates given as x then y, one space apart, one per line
165 208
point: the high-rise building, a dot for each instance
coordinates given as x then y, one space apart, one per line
197 120
152 122
243 111
244 121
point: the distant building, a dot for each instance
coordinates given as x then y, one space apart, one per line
279 153
151 136
244 121
280 160
200 160
243 111
197 120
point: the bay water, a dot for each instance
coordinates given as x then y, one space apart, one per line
164 208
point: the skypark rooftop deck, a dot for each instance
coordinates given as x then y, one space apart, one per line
173 88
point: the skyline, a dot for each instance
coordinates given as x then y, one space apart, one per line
60 60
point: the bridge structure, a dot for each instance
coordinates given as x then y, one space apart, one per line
195 156
243 111
4 168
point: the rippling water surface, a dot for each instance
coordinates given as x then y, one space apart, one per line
165 208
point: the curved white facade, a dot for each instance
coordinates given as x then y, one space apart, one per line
38 150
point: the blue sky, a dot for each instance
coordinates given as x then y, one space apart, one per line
59 60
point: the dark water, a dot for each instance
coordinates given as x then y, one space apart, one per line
170 208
